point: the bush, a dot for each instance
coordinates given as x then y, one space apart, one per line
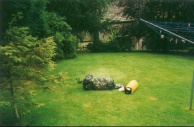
120 44
66 46
100 47
115 44
191 50
63 37
70 46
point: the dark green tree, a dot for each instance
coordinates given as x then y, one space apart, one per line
62 32
24 61
82 15
42 23
157 10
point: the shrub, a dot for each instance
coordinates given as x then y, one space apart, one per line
120 44
63 37
100 47
191 50
115 44
70 46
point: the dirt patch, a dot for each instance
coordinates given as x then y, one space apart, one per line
153 98
87 105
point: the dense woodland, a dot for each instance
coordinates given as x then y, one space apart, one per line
35 33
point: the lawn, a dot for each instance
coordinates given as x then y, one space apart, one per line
162 98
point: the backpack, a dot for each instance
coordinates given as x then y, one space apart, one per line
97 83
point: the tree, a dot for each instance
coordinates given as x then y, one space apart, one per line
42 23
81 15
133 8
35 17
158 10
24 62
1 22
63 37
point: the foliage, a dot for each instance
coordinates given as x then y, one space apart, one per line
35 18
70 46
163 10
157 10
114 44
121 39
121 44
134 9
59 19
65 40
99 47
42 23
33 15
9 8
82 15
191 50
24 61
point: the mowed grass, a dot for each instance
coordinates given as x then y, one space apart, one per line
162 98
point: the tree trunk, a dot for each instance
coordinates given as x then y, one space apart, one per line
16 113
137 44
96 39
1 21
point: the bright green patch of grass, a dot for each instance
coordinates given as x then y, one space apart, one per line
162 98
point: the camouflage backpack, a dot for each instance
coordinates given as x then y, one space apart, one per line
97 83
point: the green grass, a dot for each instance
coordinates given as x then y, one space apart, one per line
162 98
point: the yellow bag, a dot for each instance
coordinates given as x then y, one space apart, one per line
131 87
